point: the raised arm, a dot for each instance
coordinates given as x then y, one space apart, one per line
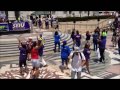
19 45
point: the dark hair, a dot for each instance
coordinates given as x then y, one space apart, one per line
87 45
23 45
56 33
34 44
87 32
73 32
77 32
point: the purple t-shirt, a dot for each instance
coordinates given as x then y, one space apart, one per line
23 54
86 53
78 37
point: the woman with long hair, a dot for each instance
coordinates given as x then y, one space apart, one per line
88 36
87 52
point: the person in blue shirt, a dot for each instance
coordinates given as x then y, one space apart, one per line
65 52
102 46
56 41
95 40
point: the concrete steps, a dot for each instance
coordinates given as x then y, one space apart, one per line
9 49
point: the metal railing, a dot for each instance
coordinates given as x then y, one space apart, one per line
67 27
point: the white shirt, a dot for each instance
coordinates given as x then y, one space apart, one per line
76 62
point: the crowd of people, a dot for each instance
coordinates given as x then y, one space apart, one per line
33 51
38 21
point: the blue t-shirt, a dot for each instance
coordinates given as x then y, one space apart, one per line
23 54
86 53
57 38
65 52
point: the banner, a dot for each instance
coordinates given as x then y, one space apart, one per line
15 26
19 26
4 27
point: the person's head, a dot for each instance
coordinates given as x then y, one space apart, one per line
87 32
56 32
30 39
77 32
34 44
40 35
23 44
103 30
73 32
64 42
87 45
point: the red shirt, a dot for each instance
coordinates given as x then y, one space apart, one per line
34 54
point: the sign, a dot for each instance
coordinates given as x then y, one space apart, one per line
4 27
19 26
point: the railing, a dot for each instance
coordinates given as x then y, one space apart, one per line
68 26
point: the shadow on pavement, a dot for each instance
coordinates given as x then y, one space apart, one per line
117 59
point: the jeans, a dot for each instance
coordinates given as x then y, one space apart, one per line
102 57
64 60
95 45
56 45
73 73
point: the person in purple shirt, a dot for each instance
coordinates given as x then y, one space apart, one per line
88 36
102 46
73 38
78 39
22 56
86 53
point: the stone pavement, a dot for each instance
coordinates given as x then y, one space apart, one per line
114 64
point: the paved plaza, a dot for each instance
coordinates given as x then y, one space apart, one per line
9 68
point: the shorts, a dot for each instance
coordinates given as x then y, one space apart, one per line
35 63
22 63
